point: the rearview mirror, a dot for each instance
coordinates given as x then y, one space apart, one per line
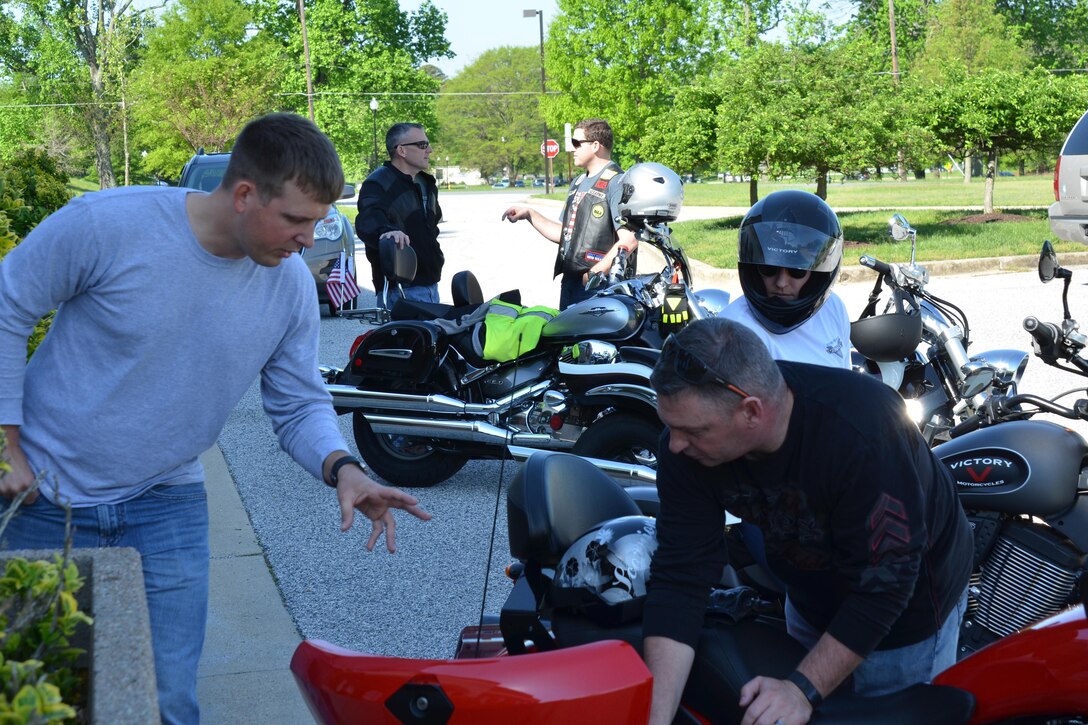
899 228
1048 262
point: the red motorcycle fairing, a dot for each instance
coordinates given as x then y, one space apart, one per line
603 682
1040 670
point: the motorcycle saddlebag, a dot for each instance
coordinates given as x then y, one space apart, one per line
401 354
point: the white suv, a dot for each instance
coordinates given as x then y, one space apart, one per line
1069 212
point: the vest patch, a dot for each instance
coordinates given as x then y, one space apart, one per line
594 256
598 211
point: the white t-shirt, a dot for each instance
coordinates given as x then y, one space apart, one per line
823 339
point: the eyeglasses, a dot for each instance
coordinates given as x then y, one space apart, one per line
421 145
577 142
693 371
770 271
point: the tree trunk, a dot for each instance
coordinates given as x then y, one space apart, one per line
968 161
753 189
100 130
991 172
821 184
901 164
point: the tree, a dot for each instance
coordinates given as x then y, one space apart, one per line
60 40
623 60
491 112
359 49
687 138
1055 31
970 35
993 110
203 77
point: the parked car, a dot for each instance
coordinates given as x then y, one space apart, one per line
519 184
332 234
538 183
1069 212
503 184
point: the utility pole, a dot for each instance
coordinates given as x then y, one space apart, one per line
899 155
543 92
306 53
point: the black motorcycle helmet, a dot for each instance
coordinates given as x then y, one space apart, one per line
793 229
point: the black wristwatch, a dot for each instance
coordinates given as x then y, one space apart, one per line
807 688
334 472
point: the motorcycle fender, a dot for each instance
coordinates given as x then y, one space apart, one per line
1038 671
599 682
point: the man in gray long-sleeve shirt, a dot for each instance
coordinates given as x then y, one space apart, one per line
169 303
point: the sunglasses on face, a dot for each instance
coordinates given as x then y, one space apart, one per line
421 145
693 371
577 142
769 271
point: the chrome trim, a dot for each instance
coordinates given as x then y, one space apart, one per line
475 431
350 397
638 475
623 390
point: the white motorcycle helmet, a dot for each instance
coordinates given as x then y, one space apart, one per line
604 573
652 194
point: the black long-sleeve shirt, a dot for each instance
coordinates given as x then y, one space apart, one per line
860 520
392 200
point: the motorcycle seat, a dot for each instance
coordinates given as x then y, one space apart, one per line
646 355
554 499
466 289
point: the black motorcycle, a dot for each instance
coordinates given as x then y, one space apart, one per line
425 398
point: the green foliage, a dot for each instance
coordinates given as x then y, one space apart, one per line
687 138
624 60
38 617
485 129
969 35
358 50
202 78
1056 31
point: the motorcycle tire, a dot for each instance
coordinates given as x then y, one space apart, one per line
620 437
401 460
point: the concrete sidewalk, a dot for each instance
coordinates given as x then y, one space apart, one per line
243 675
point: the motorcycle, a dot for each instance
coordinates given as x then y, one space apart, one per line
424 400
540 661
918 346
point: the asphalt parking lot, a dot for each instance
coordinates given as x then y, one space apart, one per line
415 602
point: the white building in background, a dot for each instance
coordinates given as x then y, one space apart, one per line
457 175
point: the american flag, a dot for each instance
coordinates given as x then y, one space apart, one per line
340 285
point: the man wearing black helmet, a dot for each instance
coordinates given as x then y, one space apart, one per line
586 232
788 256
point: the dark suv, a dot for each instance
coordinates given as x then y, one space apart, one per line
1069 212
331 235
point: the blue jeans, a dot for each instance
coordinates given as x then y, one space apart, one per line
572 290
168 525
420 293
890 670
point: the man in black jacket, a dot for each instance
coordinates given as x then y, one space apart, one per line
399 200
860 521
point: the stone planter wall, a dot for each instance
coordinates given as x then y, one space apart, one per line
118 645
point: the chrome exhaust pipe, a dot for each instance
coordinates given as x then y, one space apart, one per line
474 431
352 398
637 474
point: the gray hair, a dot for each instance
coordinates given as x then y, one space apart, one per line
732 351
396 133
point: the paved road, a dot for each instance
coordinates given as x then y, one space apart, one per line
414 603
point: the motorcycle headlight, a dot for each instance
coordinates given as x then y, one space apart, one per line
331 227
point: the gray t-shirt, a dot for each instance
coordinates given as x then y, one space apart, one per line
154 342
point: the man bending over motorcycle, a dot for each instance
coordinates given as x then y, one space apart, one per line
860 521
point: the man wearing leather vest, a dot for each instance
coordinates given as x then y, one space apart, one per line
586 232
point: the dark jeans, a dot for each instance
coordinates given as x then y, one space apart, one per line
572 290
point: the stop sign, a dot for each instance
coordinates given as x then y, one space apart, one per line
550 149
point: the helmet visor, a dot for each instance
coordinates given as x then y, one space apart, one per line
786 244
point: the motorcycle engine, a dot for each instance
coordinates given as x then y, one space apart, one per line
1023 572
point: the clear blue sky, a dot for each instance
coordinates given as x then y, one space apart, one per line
474 26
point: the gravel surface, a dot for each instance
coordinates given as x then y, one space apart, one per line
414 603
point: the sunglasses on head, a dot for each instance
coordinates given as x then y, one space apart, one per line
577 142
421 145
692 370
768 270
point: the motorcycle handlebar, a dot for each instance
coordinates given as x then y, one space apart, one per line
997 408
1046 334
875 264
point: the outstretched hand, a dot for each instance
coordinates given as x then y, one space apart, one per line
357 491
516 213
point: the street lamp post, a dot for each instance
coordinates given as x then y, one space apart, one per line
543 92
374 121
447 173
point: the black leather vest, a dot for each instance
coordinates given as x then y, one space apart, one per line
588 230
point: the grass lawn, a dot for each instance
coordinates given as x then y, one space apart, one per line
1009 192
714 241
